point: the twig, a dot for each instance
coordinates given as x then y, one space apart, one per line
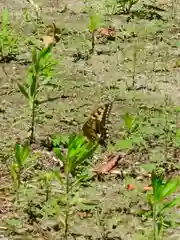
37 8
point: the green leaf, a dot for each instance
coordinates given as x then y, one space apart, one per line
21 153
5 18
160 226
13 169
45 51
17 150
95 21
23 91
170 187
33 87
34 56
58 140
59 154
24 153
157 185
174 202
129 121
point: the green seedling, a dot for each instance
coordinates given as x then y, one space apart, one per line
73 158
158 200
131 123
46 179
13 224
8 40
16 168
130 134
93 25
38 76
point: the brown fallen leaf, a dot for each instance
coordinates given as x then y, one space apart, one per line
109 163
108 32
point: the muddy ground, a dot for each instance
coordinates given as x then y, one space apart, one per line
146 50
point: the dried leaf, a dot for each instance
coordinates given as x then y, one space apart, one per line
109 163
51 36
147 188
48 40
130 187
109 33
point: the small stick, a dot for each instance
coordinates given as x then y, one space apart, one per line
35 6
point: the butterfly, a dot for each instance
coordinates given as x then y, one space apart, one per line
95 128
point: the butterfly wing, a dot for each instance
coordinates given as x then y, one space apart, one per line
95 127
92 127
104 130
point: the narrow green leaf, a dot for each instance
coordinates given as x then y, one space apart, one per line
128 120
18 153
5 18
59 153
45 51
13 170
170 186
174 202
157 184
34 56
33 86
24 153
23 91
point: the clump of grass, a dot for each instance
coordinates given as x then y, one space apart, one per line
8 39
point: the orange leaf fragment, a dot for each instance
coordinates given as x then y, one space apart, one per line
147 188
130 187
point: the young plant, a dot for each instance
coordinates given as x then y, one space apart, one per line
17 166
38 76
78 151
8 39
93 25
158 200
131 134
46 179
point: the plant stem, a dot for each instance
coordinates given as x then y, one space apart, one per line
67 206
93 41
154 223
32 123
134 64
18 184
